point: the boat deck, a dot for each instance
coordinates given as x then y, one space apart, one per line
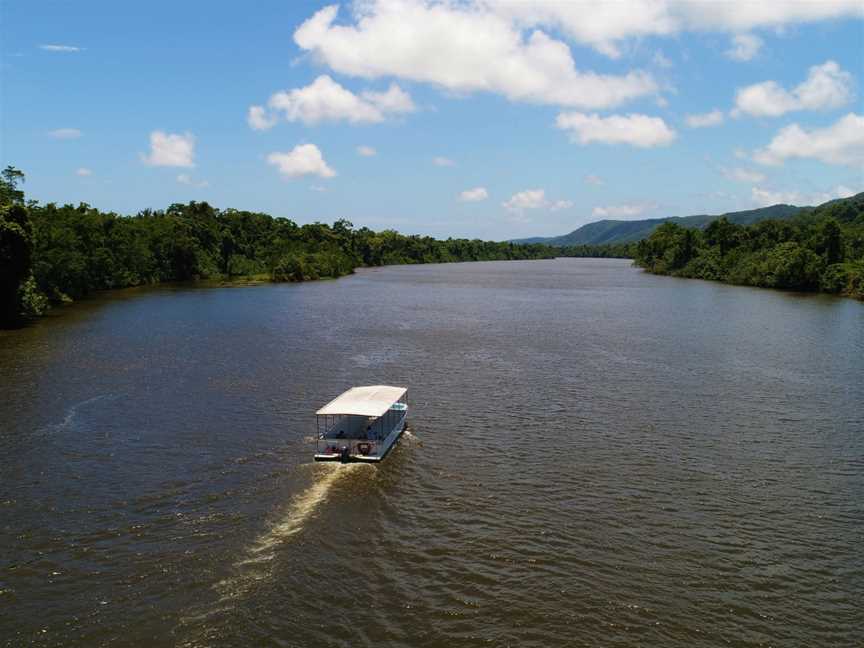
355 438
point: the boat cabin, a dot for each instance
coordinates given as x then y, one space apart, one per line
362 424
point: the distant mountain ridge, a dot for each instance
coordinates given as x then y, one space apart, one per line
618 231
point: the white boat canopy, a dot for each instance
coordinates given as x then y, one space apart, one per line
374 400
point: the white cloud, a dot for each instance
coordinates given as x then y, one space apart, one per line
636 130
840 143
426 40
533 199
324 100
600 25
259 119
443 162
594 179
303 159
766 197
462 48
621 211
826 86
83 172
604 25
60 48
739 174
393 101
318 188
474 195
528 199
744 15
366 151
170 149
65 133
744 47
186 179
705 120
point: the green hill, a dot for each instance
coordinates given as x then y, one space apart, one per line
617 231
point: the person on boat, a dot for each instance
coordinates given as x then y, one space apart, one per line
369 433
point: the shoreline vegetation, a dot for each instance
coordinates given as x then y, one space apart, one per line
51 255
817 250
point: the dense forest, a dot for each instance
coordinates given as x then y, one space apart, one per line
605 250
819 249
51 254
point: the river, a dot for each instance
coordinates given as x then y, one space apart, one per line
595 457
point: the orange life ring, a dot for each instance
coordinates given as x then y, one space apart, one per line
364 448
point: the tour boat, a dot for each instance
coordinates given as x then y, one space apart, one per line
362 424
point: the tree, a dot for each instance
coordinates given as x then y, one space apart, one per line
830 241
16 249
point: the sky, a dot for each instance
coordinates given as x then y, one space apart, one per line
476 118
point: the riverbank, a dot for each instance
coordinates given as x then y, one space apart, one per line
820 250
62 253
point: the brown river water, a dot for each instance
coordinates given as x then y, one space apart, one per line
595 457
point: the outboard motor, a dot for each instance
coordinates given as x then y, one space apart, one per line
344 454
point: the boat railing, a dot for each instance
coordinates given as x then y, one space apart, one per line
355 446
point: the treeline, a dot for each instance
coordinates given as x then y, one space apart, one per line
605 251
821 249
51 254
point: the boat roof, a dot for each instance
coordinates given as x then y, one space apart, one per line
373 400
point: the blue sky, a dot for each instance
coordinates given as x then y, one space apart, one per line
481 119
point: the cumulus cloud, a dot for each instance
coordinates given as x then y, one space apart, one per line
324 100
474 195
393 101
83 172
533 199
742 175
636 130
827 86
61 48
744 47
65 133
304 159
705 120
443 162
462 48
259 119
426 40
528 199
840 143
744 15
593 179
604 25
170 149
621 211
366 151
766 197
